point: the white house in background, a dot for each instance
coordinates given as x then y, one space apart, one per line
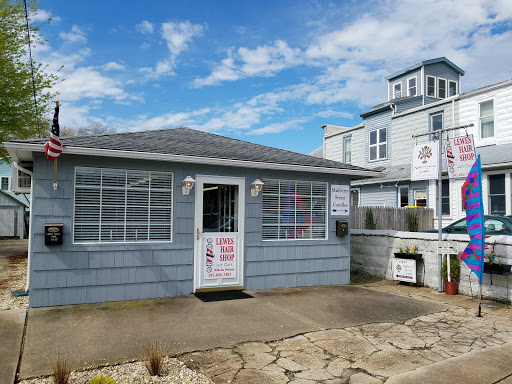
13 206
422 98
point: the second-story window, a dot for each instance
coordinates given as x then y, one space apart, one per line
436 121
441 88
397 90
431 86
487 119
347 150
4 183
411 86
452 88
378 144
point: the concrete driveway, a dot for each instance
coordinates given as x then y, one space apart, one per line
92 335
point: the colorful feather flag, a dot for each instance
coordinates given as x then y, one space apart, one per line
473 255
53 147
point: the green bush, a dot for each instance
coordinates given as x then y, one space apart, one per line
454 269
369 222
102 380
412 221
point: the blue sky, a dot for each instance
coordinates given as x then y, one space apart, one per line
268 72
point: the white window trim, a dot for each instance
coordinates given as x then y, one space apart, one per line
359 200
445 88
508 190
435 86
394 92
8 182
400 187
432 124
107 243
416 86
347 138
377 145
436 206
480 119
456 88
326 234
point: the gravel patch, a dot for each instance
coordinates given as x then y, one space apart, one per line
13 273
174 372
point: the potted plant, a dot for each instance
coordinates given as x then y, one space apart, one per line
493 264
450 287
409 253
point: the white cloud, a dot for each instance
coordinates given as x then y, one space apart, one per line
167 120
75 36
263 61
145 27
179 35
294 124
85 82
43 16
331 113
113 66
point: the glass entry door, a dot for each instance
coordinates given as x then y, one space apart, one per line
219 218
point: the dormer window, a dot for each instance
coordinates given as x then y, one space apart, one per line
431 86
397 90
452 88
411 86
441 88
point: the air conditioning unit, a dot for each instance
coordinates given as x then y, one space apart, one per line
21 181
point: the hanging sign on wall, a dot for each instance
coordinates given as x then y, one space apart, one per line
425 161
340 200
220 257
460 156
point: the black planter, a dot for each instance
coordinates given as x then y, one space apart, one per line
496 269
411 256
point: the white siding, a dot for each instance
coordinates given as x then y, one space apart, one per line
334 146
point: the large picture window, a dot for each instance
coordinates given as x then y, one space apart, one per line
294 210
113 205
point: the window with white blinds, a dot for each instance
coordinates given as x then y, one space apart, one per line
114 205
294 210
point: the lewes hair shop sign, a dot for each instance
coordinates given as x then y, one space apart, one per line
220 260
424 161
460 156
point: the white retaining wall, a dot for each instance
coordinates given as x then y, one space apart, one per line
371 253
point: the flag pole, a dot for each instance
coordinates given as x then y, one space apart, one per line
55 185
480 302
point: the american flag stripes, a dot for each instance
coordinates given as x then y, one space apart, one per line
53 148
473 255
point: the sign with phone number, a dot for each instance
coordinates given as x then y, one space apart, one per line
220 257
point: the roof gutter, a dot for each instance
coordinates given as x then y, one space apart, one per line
13 147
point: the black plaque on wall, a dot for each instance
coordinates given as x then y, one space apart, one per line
53 234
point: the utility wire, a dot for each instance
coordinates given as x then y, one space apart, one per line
32 69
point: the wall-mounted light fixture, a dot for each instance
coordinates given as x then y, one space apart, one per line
187 184
256 187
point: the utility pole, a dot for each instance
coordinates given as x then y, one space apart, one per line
439 136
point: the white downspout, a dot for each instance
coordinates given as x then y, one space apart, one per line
27 286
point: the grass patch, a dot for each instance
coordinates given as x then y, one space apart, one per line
61 369
154 357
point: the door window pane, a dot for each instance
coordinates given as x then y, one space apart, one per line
220 208
404 197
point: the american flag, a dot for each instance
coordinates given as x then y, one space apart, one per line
53 148
473 255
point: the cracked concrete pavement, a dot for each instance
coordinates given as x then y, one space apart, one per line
376 352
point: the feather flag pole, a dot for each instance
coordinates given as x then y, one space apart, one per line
54 147
473 255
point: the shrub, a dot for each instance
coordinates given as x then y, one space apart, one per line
412 221
154 357
454 269
102 380
369 222
61 369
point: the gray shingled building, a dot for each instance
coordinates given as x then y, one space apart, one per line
176 211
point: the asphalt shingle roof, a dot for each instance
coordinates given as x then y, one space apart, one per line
189 142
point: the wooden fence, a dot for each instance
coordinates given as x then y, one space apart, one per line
392 218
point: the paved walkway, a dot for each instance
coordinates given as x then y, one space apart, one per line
11 334
368 333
